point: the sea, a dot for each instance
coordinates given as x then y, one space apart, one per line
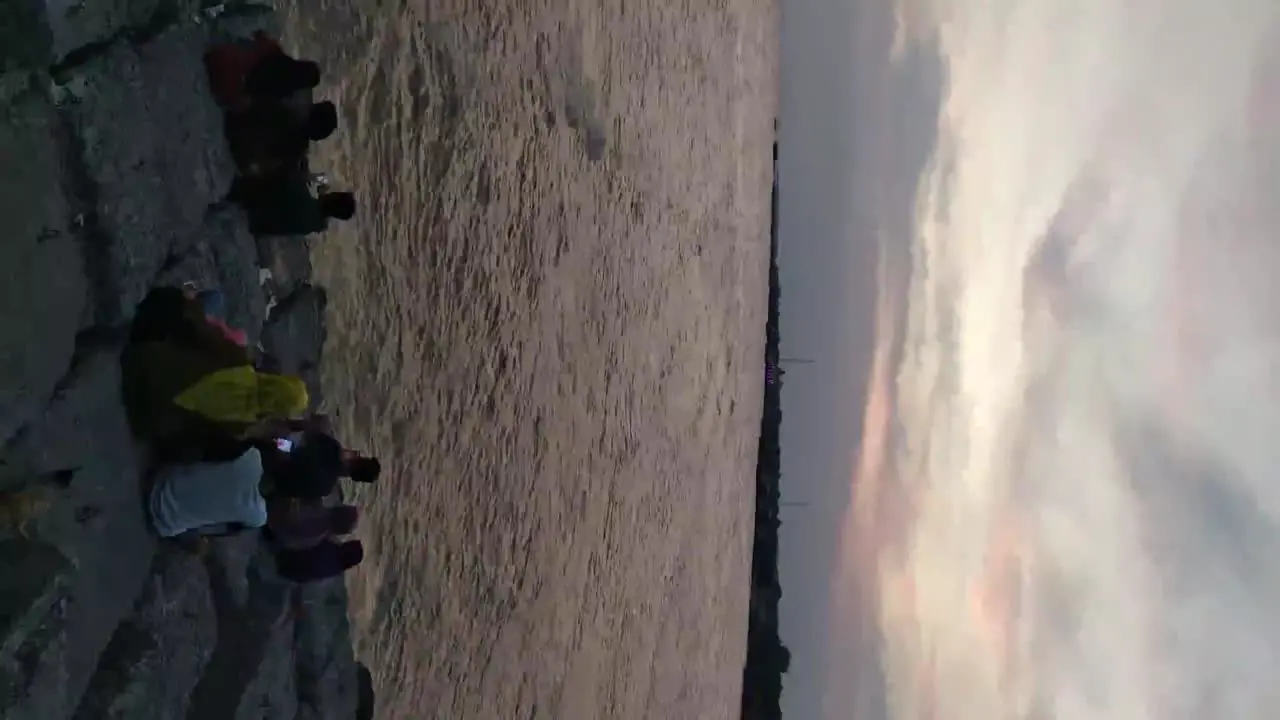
548 319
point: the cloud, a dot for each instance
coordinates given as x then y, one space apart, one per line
1087 396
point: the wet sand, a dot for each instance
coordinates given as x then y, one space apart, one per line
548 319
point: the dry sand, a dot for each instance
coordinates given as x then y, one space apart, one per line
548 319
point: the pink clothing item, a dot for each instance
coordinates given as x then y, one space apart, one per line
235 335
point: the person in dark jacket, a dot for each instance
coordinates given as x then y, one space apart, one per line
244 71
282 204
273 138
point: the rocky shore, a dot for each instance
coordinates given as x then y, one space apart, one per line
115 170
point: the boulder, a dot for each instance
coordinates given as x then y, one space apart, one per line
33 599
244 651
327 677
26 42
288 258
239 20
77 26
238 269
42 282
222 255
295 333
157 655
272 693
151 158
85 427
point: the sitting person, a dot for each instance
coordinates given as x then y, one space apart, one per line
271 138
214 304
282 204
241 73
179 394
326 560
318 427
296 524
187 498
169 317
304 535
181 315
306 470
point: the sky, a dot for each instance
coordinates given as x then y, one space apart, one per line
1029 245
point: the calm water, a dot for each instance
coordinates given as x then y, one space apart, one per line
549 319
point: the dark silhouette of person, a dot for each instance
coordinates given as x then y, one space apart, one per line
282 204
271 138
243 72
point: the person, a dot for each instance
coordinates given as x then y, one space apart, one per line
179 315
302 465
272 138
316 431
298 524
242 72
327 559
241 396
173 391
188 497
214 304
282 204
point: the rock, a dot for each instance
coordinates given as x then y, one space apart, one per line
289 260
33 591
156 656
77 24
237 259
241 20
85 426
327 677
273 694
366 699
42 282
244 646
152 157
222 254
191 262
295 335
26 41
231 557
